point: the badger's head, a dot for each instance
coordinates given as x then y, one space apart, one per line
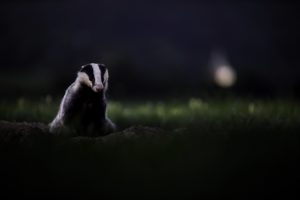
93 75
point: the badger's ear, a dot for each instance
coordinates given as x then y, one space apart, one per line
102 67
86 65
82 67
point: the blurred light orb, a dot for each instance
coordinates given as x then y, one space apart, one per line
225 76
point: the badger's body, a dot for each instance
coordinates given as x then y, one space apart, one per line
83 108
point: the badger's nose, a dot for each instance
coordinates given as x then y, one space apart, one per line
98 88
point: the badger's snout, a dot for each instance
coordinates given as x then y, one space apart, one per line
98 88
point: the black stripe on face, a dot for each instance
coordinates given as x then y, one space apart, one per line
102 70
88 69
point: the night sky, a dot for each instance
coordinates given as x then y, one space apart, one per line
154 42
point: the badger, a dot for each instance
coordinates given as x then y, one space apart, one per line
82 110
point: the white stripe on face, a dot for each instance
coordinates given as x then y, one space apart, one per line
97 74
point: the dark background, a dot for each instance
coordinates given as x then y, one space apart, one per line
150 47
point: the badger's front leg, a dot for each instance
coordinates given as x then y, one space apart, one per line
110 126
66 111
95 117
100 128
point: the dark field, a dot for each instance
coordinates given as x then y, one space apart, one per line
230 147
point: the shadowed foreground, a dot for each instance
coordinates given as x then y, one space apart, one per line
228 148
145 162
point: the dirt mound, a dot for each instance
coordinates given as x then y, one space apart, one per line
23 128
18 132
138 131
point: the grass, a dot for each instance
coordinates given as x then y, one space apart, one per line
169 114
213 145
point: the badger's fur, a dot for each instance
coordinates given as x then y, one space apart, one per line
83 108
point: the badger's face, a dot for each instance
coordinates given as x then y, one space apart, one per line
95 76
